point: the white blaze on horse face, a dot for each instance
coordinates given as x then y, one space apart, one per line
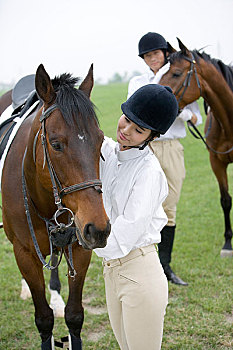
81 137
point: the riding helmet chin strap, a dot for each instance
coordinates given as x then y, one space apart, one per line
141 147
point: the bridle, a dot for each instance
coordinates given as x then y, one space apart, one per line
186 82
58 193
185 85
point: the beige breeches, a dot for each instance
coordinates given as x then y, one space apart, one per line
171 157
137 296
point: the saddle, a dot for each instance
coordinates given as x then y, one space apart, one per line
8 125
22 90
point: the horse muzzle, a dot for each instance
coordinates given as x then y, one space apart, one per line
92 237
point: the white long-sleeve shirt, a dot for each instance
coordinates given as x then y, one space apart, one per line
177 129
134 188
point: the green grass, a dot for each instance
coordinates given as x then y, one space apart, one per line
198 316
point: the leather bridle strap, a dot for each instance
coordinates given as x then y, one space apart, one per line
185 85
202 138
188 77
82 186
59 193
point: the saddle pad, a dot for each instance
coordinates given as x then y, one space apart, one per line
7 114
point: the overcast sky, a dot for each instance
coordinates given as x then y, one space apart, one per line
68 35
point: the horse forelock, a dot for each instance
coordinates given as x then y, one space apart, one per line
175 56
72 102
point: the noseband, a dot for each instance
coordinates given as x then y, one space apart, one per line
188 77
58 193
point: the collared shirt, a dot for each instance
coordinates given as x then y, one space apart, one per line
134 188
177 130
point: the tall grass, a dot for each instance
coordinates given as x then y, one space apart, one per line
198 316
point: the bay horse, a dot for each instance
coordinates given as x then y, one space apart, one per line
5 101
51 195
193 74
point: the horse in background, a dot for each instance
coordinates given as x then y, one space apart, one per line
52 168
193 74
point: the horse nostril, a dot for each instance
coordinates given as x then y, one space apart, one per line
108 229
96 238
89 233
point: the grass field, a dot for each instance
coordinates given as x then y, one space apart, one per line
198 317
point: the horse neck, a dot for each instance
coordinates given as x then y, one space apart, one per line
218 95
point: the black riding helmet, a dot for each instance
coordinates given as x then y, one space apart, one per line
152 107
150 42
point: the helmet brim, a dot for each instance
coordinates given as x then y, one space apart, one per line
141 54
134 118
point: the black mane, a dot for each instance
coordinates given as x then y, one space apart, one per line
227 71
71 101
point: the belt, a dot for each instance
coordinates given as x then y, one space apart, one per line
132 255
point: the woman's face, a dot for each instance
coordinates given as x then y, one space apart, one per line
154 59
130 134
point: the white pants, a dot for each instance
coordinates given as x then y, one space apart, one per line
137 296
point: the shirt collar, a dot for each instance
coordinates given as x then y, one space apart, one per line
130 153
151 75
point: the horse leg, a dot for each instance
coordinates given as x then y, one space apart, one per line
74 314
25 291
56 301
220 171
32 272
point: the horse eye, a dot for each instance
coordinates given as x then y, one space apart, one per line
57 146
177 74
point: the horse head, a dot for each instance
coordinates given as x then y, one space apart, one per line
184 75
66 162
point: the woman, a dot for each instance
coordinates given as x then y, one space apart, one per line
134 187
153 49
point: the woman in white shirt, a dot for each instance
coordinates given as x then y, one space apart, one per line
168 149
134 188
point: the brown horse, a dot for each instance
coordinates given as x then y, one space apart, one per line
5 101
193 74
57 175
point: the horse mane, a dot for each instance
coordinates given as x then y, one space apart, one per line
72 101
225 70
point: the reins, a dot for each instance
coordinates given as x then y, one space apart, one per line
185 85
59 234
202 138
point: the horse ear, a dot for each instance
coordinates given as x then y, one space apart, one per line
88 82
44 85
170 49
183 48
